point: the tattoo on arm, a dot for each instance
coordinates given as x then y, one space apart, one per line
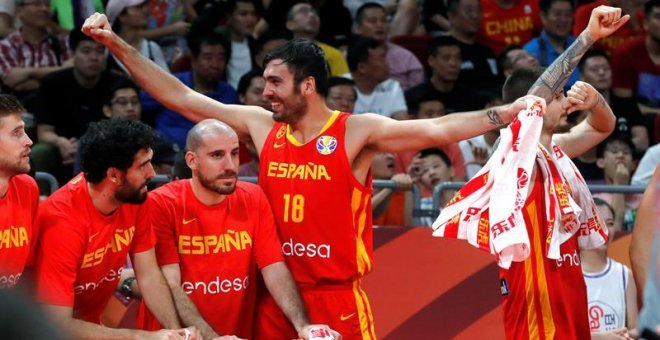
494 117
555 76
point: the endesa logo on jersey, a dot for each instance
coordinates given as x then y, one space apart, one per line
111 277
10 280
217 285
293 248
326 145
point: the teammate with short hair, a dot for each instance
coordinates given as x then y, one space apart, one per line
19 194
88 228
213 234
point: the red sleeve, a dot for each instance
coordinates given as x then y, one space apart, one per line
267 247
144 238
34 195
162 221
60 249
624 75
581 19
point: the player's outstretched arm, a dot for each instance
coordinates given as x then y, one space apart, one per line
186 309
79 329
281 286
166 88
604 21
384 134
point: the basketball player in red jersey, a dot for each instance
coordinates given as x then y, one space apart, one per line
546 298
213 234
19 195
315 165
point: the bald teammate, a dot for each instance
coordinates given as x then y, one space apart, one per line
213 234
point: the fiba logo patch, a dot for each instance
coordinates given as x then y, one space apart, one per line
326 145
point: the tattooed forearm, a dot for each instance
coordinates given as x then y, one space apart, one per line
494 117
555 76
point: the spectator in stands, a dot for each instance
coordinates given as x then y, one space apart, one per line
557 19
28 55
479 67
265 43
445 61
241 19
68 100
636 74
129 19
429 168
335 20
371 22
376 91
514 57
611 289
168 25
647 166
96 212
595 69
7 15
633 28
342 94
388 204
70 14
303 21
615 158
208 64
508 22
434 17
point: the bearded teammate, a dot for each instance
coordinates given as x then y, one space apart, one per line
88 228
213 233
546 298
19 195
314 170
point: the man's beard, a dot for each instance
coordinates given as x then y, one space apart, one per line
221 189
126 194
293 112
14 168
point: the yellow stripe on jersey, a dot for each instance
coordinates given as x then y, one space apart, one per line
541 288
326 126
365 316
359 202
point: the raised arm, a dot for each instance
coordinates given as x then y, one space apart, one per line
168 90
604 21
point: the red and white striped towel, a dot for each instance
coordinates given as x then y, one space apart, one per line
487 211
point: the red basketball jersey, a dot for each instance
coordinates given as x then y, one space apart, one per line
544 298
322 212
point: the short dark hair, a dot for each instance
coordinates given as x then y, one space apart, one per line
304 59
650 5
545 5
452 5
359 15
112 143
594 52
437 152
10 105
441 41
246 79
503 62
358 51
601 202
120 84
76 36
519 83
415 99
196 40
622 137
232 4
338 81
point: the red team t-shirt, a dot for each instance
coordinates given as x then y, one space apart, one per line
544 298
82 252
502 27
641 76
218 248
18 228
323 213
